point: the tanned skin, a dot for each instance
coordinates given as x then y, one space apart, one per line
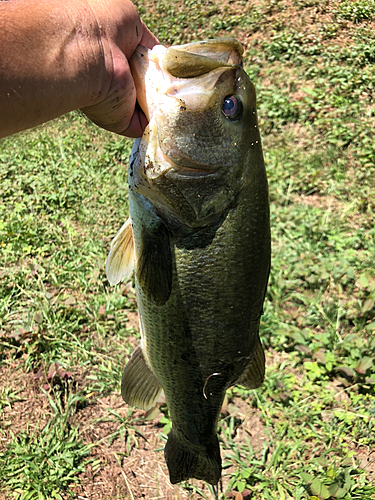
61 55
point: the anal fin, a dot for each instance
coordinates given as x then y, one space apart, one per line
120 260
253 376
139 386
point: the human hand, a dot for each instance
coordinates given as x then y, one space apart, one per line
119 34
57 56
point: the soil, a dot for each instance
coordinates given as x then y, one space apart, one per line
133 473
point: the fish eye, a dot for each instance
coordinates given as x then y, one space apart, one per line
232 107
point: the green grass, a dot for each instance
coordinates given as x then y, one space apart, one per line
63 195
42 463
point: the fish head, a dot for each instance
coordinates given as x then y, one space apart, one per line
202 139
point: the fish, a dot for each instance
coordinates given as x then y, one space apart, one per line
198 239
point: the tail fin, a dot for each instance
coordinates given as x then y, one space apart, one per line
185 462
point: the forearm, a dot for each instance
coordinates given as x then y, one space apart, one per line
43 72
55 56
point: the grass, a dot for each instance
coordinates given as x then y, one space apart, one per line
42 463
308 433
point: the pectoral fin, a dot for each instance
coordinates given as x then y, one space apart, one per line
139 386
154 266
253 376
120 261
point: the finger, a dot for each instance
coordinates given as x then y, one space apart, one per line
137 125
116 111
148 39
115 114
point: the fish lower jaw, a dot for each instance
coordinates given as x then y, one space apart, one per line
192 172
164 165
158 163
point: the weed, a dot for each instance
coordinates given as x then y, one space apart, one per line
356 11
42 463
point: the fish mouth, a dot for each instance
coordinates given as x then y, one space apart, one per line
179 81
155 163
193 172
162 67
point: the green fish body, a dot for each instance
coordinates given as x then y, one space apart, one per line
199 237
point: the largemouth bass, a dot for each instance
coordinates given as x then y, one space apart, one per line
199 238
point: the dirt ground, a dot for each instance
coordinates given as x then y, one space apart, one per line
141 473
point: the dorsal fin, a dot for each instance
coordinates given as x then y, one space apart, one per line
120 260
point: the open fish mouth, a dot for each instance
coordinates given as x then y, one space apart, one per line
174 86
155 71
